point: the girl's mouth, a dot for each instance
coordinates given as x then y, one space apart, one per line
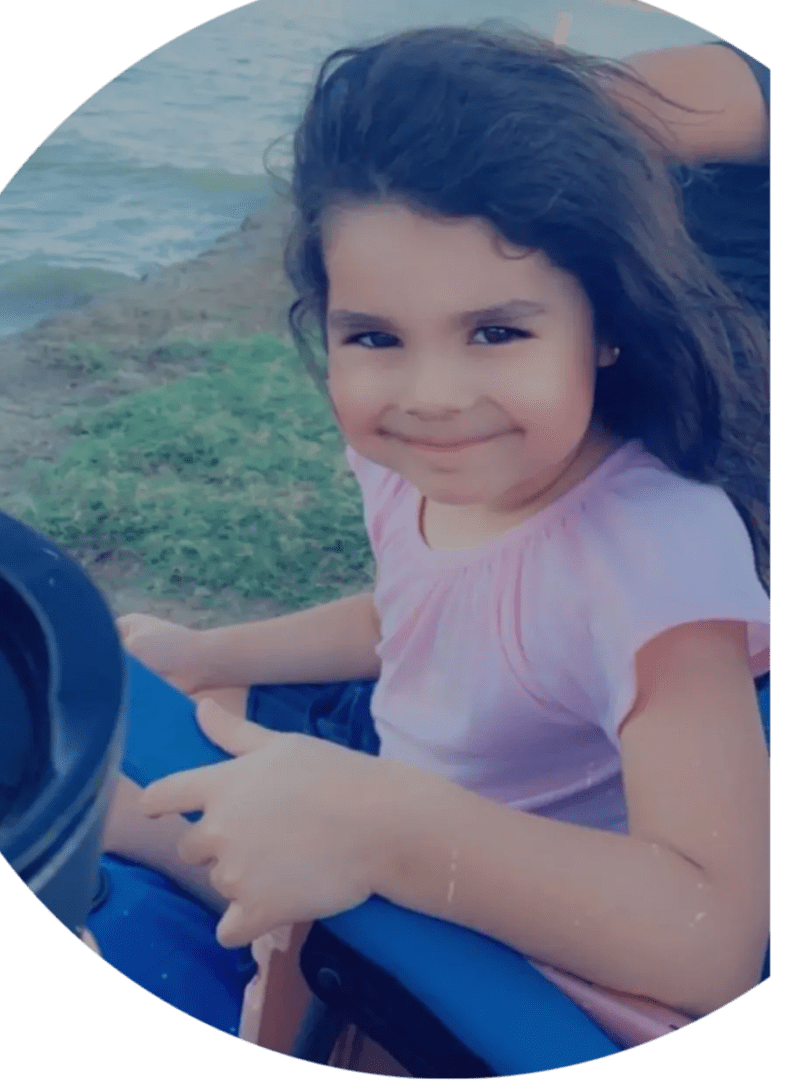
447 446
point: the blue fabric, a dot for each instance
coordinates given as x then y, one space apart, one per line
339 712
764 709
163 940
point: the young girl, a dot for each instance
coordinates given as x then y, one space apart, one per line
532 367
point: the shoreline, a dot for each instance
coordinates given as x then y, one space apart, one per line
236 288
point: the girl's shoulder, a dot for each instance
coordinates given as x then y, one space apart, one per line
642 495
656 551
384 495
632 473
662 549
641 522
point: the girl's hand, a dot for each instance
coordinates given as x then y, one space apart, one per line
169 649
294 826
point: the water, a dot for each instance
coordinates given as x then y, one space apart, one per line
166 158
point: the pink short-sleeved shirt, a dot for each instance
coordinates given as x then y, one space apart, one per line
508 667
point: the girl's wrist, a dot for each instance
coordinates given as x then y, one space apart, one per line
413 831
211 668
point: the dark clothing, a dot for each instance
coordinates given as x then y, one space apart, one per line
338 712
727 208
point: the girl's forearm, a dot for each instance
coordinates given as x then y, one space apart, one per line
330 643
617 911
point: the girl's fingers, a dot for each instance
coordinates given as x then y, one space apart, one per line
234 929
177 794
196 848
229 732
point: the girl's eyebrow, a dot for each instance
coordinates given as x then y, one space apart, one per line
501 313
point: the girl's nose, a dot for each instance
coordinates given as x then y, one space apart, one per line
437 388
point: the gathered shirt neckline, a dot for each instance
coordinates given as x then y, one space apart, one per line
516 534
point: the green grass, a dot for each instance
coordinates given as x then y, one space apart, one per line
231 477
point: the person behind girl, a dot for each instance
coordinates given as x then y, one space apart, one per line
533 369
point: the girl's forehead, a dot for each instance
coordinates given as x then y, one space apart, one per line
390 248
368 221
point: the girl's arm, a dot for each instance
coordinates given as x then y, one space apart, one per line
676 911
731 123
330 643
295 829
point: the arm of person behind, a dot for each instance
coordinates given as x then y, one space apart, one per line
711 107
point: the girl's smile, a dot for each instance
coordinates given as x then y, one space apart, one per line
463 363
447 445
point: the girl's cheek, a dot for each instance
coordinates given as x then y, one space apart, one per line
351 405
357 385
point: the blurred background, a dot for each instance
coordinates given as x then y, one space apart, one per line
168 157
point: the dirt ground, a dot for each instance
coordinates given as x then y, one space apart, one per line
237 288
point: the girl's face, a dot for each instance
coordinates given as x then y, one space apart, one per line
461 362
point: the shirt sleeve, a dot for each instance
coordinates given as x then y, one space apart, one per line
378 485
677 554
373 479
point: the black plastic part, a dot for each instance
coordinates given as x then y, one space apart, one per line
103 890
24 723
319 1031
359 992
62 674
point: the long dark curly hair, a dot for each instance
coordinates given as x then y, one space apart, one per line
500 125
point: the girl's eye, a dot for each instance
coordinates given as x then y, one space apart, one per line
493 335
501 335
373 339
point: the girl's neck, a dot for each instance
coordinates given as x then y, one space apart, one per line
443 526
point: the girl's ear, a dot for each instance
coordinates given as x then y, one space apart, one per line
607 356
